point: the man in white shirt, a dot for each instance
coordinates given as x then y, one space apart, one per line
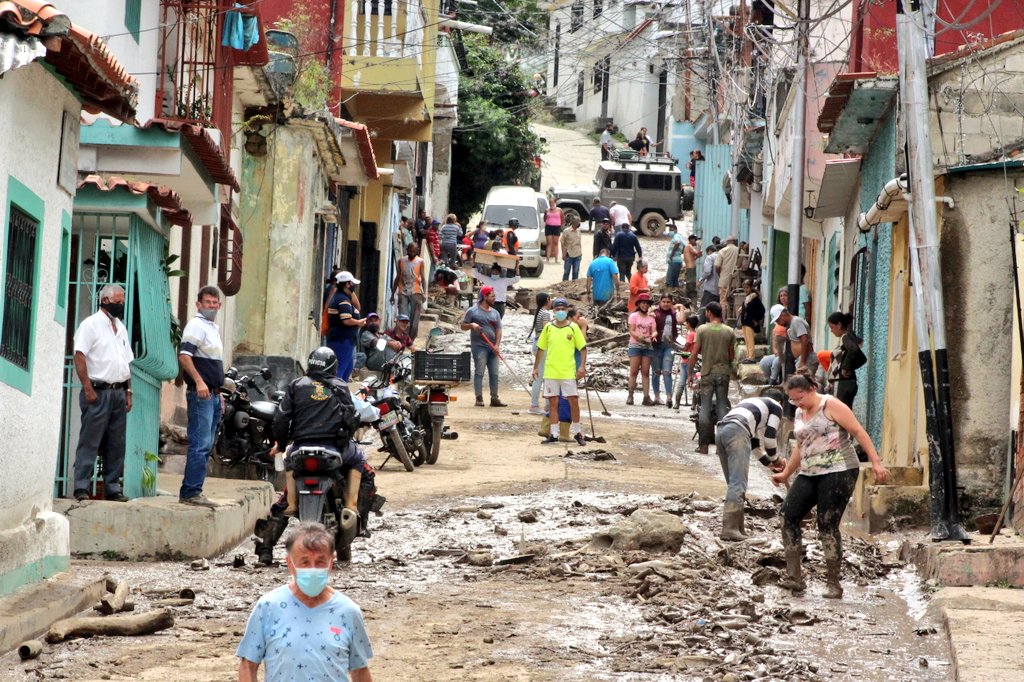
500 285
103 356
620 215
606 142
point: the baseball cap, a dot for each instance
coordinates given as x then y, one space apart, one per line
435 222
345 276
486 291
643 297
692 237
607 220
775 312
369 315
403 318
560 303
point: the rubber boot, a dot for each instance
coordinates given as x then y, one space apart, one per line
833 588
629 397
794 580
293 495
272 532
732 517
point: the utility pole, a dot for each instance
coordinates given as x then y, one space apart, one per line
737 121
796 194
925 269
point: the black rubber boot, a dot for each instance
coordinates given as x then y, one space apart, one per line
272 532
833 588
794 580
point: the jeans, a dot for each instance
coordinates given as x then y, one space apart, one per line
733 445
485 358
770 369
712 388
571 263
103 428
346 352
538 383
661 366
450 255
672 275
203 419
411 305
830 493
625 266
705 298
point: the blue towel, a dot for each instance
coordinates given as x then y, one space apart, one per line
241 31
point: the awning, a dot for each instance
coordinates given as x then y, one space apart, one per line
838 185
361 135
208 150
166 199
854 108
80 57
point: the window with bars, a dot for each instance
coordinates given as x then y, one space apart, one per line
19 285
576 16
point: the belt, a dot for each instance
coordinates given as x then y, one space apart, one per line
103 385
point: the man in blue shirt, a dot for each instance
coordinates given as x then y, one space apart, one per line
343 323
674 257
598 214
602 278
306 630
625 249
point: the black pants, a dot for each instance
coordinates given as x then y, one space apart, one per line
625 268
846 391
705 298
829 493
500 307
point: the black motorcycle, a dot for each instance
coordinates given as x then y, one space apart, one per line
401 437
245 434
320 482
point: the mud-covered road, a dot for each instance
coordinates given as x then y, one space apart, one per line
573 610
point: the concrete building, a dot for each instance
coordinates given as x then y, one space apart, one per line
52 70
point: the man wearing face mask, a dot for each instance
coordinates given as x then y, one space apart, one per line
201 356
499 284
103 356
368 339
306 630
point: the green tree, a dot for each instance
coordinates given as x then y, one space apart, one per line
515 22
493 143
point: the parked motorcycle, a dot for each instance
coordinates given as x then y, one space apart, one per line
244 434
402 439
434 375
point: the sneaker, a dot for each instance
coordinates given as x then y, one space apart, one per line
668 403
702 449
549 440
496 402
199 500
536 410
116 497
81 495
479 401
629 399
580 439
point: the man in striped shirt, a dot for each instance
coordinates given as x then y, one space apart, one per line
750 427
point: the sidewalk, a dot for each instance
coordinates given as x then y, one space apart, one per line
985 626
161 527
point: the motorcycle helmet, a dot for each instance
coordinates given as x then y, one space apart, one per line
322 361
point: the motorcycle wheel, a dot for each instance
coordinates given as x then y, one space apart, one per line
397 448
224 455
421 453
434 431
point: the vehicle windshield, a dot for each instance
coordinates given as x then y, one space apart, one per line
500 215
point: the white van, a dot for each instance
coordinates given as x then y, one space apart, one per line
506 202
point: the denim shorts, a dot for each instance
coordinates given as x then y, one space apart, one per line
639 352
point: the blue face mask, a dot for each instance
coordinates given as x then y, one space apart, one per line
311 581
561 315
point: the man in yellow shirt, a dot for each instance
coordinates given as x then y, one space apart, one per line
559 342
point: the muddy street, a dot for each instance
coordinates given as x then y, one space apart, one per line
509 560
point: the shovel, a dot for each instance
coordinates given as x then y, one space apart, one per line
507 366
593 432
604 410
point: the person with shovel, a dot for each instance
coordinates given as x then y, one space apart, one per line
559 342
483 322
748 427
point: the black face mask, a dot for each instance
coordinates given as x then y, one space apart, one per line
114 309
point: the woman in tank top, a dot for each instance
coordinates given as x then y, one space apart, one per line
828 469
554 218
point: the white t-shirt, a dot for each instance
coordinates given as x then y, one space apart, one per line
108 355
619 214
606 138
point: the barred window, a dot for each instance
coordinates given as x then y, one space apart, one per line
20 269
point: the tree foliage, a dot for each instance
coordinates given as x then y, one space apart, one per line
493 143
515 22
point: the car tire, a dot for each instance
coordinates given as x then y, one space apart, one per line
652 224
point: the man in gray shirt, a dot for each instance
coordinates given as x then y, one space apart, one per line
450 234
709 277
483 322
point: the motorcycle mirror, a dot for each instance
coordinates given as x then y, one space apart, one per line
265 373
381 344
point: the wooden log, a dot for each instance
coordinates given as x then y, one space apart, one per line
173 601
101 608
118 626
30 649
609 339
110 583
114 603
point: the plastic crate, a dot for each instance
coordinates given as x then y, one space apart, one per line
451 367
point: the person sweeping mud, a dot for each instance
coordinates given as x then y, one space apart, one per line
747 428
558 344
828 468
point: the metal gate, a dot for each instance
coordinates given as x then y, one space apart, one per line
120 248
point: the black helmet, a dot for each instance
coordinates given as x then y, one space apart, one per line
322 361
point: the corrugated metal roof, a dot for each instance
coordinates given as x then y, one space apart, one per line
837 188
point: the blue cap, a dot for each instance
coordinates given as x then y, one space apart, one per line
403 318
560 303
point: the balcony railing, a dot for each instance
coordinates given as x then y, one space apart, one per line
385 28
